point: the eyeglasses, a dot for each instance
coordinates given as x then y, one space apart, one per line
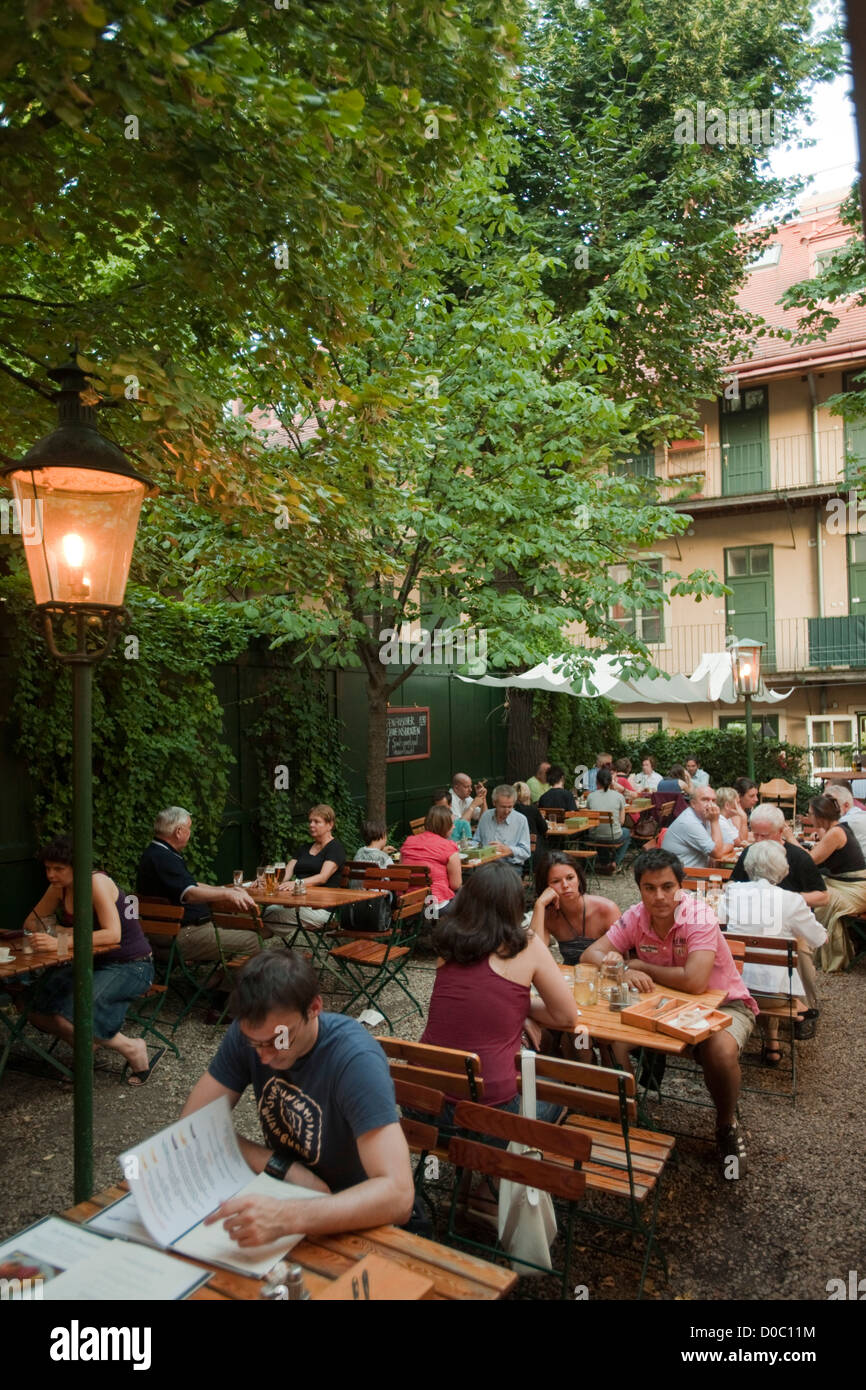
280 1042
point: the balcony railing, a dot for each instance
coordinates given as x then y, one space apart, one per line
796 644
744 469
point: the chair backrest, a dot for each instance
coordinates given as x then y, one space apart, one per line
417 825
781 793
586 1089
763 950
159 918
396 877
410 905
420 1136
447 1069
533 841
560 1181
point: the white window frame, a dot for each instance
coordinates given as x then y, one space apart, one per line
618 571
822 755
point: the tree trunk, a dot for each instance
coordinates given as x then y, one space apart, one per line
528 738
377 740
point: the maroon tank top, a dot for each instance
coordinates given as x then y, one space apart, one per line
133 943
477 1010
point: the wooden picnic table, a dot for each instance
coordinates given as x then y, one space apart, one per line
607 1026
15 1023
474 862
323 896
561 829
454 1275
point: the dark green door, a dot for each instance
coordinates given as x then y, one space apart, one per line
749 611
855 434
745 433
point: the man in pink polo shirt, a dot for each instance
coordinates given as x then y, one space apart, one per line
679 945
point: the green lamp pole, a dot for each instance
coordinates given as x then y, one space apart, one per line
746 666
81 501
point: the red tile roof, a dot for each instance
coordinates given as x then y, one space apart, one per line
817 228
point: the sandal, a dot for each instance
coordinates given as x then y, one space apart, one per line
142 1076
771 1055
730 1144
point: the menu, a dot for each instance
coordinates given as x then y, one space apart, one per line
56 1259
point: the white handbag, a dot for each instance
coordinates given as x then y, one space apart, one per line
527 1221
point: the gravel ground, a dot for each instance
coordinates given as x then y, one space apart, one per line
793 1223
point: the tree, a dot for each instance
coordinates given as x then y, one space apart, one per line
197 195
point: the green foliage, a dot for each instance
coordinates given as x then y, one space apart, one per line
722 754
296 732
157 726
579 729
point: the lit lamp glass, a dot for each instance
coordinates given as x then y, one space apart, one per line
81 544
746 664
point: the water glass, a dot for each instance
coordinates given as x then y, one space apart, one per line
64 943
238 878
585 985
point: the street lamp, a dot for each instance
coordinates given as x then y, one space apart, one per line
746 665
82 499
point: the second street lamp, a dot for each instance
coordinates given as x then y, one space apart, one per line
83 500
746 665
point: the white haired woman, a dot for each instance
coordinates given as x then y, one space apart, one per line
761 908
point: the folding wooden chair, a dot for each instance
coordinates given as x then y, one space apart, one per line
567 1184
370 961
625 1163
778 951
781 793
417 825
857 932
161 924
421 1136
233 960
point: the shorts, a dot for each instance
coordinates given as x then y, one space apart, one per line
742 1024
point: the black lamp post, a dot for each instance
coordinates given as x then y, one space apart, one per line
85 499
746 664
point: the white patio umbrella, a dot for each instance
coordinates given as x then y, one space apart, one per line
711 682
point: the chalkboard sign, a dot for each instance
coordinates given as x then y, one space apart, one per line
408 734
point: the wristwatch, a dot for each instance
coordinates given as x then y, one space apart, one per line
277 1166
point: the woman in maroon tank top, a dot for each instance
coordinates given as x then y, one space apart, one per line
481 996
119 975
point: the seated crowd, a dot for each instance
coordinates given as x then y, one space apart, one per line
322 1085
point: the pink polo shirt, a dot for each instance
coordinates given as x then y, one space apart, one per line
696 928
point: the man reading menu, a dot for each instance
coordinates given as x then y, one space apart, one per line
326 1107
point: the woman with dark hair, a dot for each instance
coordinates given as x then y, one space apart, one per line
572 917
119 975
616 834
434 847
622 777
677 780
487 963
840 858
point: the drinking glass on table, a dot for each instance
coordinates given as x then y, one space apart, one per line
270 879
238 878
64 943
585 985
280 867
260 876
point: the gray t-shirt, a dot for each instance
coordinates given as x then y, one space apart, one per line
315 1112
606 801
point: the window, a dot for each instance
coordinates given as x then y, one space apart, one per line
749 398
768 256
827 735
821 259
646 621
765 725
639 729
748 559
637 465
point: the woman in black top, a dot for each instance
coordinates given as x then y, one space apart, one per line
840 858
838 851
316 865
